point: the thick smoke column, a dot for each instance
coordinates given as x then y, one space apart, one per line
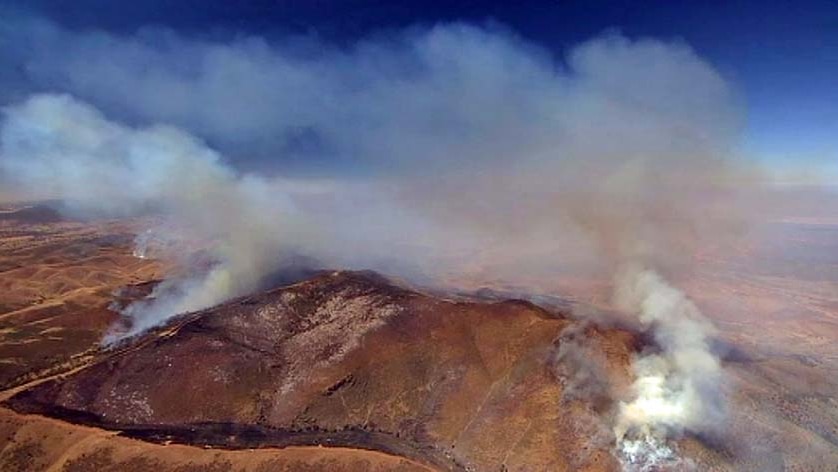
675 390
69 150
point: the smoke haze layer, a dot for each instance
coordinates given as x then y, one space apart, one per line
446 141
452 151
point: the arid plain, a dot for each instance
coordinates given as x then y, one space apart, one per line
352 371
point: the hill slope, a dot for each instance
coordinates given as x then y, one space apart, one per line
350 359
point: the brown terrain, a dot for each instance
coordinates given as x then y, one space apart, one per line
352 371
57 279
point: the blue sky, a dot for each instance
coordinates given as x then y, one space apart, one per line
782 57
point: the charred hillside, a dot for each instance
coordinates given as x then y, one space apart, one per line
351 359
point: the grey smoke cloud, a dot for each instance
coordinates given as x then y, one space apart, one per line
69 149
452 151
581 367
405 100
577 151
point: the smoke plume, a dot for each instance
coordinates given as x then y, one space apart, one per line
675 390
68 149
453 152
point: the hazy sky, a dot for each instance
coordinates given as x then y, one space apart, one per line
781 57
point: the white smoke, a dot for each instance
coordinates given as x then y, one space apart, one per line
675 390
142 244
69 149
